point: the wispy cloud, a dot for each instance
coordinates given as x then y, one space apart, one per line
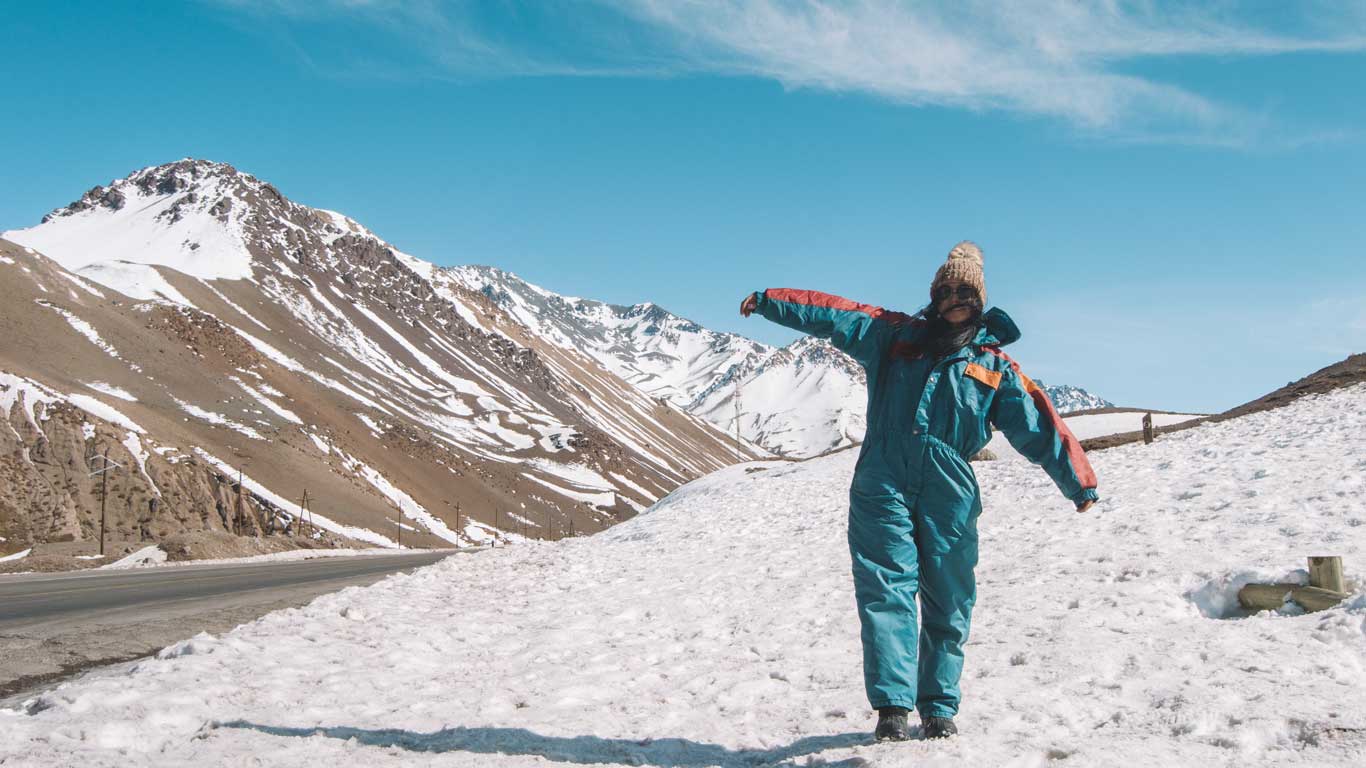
1067 59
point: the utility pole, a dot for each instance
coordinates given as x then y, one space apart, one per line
497 523
737 420
103 472
305 516
237 523
104 496
400 524
106 467
457 523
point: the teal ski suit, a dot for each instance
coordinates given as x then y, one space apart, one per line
914 500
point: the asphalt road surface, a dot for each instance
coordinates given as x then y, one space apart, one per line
55 625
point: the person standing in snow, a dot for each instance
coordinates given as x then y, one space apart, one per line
937 384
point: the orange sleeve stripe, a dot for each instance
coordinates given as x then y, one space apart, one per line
1081 466
831 301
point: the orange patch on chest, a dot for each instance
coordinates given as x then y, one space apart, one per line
990 378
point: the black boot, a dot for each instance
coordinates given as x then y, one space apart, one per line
892 724
937 727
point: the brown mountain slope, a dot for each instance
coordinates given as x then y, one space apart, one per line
334 363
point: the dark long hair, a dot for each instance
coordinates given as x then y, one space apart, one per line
942 338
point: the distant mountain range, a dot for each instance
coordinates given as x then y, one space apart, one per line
1068 399
200 326
798 401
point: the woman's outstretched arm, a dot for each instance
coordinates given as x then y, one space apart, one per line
858 330
1023 411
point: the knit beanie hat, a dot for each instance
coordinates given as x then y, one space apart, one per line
964 265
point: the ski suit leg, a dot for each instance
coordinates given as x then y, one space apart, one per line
945 515
886 576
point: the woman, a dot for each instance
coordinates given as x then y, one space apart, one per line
937 383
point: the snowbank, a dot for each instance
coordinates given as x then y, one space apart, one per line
719 630
154 557
143 558
20 555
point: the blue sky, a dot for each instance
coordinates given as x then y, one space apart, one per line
1172 199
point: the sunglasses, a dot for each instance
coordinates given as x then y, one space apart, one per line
962 292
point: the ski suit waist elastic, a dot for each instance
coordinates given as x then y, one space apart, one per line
914 439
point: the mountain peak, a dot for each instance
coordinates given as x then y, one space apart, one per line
184 175
1067 398
201 217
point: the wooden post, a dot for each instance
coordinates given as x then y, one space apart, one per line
1325 572
1270 597
1147 428
1326 589
457 524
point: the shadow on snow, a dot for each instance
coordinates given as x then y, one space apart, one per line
576 749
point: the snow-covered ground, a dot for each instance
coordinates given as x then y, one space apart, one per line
719 630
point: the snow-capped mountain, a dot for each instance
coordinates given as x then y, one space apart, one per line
798 401
1067 398
663 354
200 324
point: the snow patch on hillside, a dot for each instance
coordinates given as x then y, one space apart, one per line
20 555
146 226
83 328
104 411
292 508
270 405
111 390
136 281
140 454
218 419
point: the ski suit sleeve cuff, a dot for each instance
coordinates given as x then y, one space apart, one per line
1085 495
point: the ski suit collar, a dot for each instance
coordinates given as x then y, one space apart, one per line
998 329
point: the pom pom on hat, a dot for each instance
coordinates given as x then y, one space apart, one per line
967 250
964 265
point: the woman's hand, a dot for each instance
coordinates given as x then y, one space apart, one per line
748 306
1085 505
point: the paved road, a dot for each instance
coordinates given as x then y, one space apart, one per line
55 625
